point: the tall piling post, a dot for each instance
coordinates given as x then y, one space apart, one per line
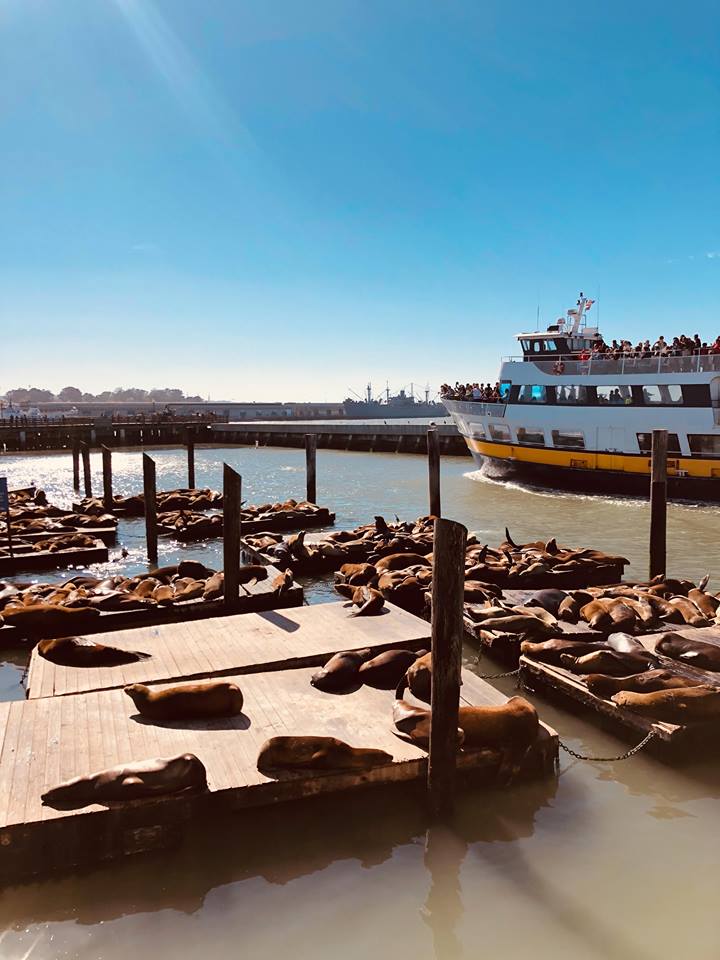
87 476
107 477
448 587
76 465
150 496
232 498
433 450
311 467
658 503
190 444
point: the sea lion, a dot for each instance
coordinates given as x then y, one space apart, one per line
43 619
81 652
317 753
550 651
696 653
549 600
648 682
132 781
681 706
607 662
387 669
214 586
252 573
340 672
414 722
399 561
596 615
690 613
194 569
369 601
188 701
282 583
418 677
357 573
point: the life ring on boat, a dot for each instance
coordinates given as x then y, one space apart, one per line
559 367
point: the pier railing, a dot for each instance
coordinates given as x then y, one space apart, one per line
601 366
477 407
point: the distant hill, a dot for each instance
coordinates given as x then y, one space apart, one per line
34 395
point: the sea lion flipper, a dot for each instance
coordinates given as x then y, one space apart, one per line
704 582
509 539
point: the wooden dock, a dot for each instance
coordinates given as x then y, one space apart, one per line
108 535
253 598
49 739
300 637
31 560
505 647
283 522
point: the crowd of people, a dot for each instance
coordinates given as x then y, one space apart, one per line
485 392
682 346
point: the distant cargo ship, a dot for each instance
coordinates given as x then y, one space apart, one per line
392 406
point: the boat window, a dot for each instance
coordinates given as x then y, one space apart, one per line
568 438
551 345
532 393
531 435
538 345
572 394
504 389
704 444
614 395
525 345
478 431
663 394
499 431
645 443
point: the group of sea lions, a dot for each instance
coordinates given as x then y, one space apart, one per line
70 607
66 523
134 506
192 525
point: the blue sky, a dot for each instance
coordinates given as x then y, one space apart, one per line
283 200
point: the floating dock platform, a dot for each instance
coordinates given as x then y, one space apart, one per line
49 739
253 598
31 560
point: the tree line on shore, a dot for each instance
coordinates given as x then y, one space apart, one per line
37 395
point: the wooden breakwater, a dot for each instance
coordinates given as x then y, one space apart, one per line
56 435
373 437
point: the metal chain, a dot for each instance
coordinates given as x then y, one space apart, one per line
625 756
495 676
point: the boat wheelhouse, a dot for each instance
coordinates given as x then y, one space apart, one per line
575 418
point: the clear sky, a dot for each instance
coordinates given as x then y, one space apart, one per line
283 200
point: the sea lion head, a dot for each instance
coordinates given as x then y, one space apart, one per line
138 693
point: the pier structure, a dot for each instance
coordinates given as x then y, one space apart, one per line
61 732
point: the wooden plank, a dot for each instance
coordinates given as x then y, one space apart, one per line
242 643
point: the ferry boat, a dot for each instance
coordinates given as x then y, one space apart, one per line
572 419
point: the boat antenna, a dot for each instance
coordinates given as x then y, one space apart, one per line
537 318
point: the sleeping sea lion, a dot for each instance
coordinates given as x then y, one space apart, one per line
317 753
357 573
549 600
81 652
189 701
282 583
418 677
696 653
340 672
252 573
550 651
214 586
607 662
370 602
688 705
648 682
386 670
399 561
132 781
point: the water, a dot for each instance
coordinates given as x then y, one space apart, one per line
611 861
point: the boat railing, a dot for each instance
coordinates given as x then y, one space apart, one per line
477 407
602 366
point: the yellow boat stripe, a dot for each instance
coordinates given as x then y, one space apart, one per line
591 460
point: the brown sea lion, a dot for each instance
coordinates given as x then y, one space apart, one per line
369 602
414 722
596 615
549 599
648 682
696 653
132 781
607 662
282 583
357 573
252 573
399 561
317 753
81 652
46 619
418 677
681 706
550 651
188 701
340 672
690 613
386 670
214 586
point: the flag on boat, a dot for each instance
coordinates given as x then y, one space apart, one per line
588 304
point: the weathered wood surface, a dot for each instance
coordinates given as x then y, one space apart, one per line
150 495
301 636
53 559
253 598
52 739
658 503
566 684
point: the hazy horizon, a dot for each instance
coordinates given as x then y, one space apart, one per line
289 200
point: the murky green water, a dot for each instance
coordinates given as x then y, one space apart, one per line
615 861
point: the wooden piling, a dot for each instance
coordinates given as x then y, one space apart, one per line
87 476
76 465
107 477
310 467
433 449
150 494
190 444
658 503
447 634
232 496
